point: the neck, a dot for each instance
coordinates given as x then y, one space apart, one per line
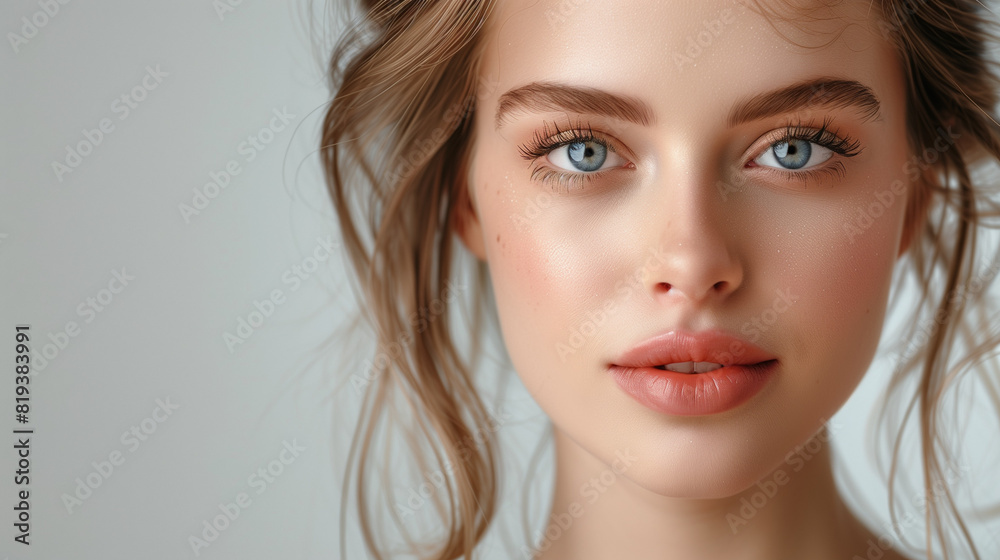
793 512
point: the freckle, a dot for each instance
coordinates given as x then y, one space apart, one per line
498 238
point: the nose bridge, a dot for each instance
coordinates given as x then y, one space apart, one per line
694 233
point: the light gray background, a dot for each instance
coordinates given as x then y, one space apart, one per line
161 337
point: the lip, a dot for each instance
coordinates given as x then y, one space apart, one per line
746 370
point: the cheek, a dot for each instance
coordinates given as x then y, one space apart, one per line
547 273
556 267
520 266
839 271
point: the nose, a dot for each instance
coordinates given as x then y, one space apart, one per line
695 233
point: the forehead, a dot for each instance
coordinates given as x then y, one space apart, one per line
684 58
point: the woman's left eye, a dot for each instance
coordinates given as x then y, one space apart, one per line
794 153
585 156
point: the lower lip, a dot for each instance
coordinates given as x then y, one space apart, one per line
694 394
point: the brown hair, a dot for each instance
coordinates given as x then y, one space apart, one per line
395 145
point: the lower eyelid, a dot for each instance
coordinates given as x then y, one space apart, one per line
824 171
562 181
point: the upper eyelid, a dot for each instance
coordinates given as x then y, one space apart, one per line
580 130
611 144
778 134
826 130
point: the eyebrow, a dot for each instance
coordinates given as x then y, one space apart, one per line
550 96
826 92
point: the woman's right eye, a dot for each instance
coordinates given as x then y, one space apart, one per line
794 153
584 156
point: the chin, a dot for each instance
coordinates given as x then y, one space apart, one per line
702 467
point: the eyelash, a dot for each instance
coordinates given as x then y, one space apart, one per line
844 146
543 142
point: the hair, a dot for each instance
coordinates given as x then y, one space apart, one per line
395 144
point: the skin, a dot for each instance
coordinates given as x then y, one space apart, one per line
689 254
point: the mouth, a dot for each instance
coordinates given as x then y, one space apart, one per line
694 373
690 367
699 388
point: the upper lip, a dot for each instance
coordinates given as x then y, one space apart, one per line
676 346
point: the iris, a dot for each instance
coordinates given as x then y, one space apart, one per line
587 156
793 153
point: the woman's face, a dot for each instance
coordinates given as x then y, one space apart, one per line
691 187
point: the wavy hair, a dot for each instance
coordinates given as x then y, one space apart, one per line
394 146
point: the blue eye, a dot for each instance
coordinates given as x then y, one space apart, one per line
794 153
589 155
